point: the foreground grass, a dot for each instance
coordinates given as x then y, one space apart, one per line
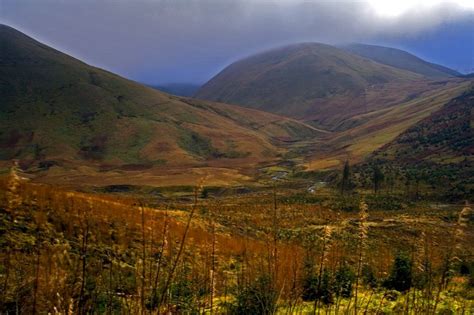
67 252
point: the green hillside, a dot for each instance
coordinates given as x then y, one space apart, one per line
56 111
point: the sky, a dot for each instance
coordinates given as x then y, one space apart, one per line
169 41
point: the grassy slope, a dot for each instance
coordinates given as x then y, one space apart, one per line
345 112
55 107
437 150
401 59
446 136
381 127
299 80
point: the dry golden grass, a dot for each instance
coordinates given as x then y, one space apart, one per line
241 231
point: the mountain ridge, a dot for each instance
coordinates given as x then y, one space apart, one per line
317 83
401 59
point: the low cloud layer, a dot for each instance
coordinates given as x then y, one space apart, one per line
158 41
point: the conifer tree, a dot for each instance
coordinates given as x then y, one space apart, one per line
345 182
400 277
378 178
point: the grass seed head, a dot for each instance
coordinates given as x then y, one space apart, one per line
13 187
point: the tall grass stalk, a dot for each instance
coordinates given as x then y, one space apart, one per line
13 186
363 231
84 253
164 243
212 272
327 233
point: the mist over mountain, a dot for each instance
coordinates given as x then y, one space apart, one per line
158 42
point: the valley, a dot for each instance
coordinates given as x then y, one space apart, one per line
304 179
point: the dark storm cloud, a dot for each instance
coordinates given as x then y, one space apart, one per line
159 41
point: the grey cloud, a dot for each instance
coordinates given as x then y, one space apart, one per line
190 40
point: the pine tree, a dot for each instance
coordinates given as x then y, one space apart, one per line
400 278
346 173
343 281
377 179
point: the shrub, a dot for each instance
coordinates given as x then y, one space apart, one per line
344 279
310 287
380 202
368 276
259 297
325 291
349 204
470 283
198 145
183 295
315 291
400 278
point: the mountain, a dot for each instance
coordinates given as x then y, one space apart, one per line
401 59
61 114
316 83
180 89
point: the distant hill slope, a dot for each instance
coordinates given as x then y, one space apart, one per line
371 131
180 89
446 136
56 110
438 151
317 83
401 59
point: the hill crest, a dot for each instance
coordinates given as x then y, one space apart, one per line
301 80
401 59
